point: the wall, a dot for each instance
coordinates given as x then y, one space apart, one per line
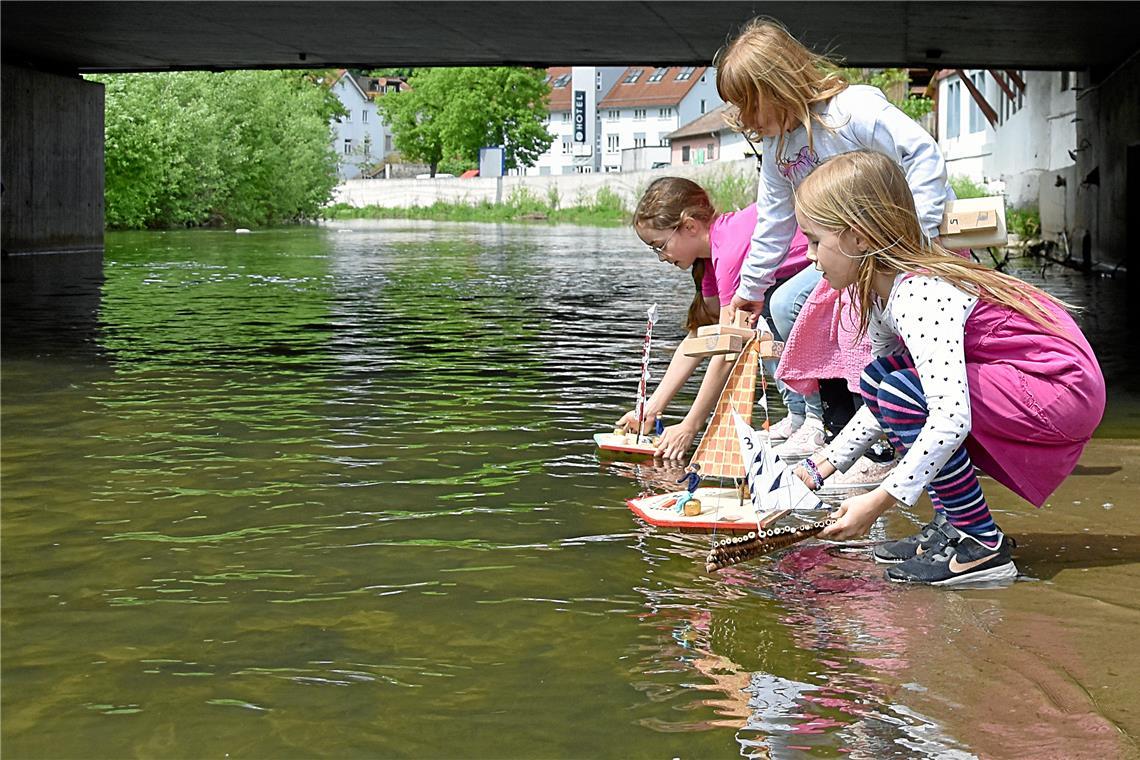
1108 134
51 162
407 193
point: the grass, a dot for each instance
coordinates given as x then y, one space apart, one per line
603 209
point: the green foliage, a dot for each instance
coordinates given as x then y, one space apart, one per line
1023 222
730 191
895 84
964 187
450 113
191 148
604 208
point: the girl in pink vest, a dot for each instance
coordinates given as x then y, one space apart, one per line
972 367
676 219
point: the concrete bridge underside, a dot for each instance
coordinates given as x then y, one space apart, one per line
52 120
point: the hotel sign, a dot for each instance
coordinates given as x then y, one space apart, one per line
579 116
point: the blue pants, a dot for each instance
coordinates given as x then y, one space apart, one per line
784 303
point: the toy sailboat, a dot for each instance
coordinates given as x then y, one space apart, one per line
731 449
635 442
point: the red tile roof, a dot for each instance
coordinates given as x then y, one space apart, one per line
559 96
667 91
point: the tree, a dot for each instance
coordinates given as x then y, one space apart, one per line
450 113
239 147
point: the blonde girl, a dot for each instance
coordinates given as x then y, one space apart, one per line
972 367
678 222
801 109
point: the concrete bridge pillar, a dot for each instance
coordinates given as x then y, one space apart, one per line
52 163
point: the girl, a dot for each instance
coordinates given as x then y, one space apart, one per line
676 219
973 367
803 111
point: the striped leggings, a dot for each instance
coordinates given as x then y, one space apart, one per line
893 393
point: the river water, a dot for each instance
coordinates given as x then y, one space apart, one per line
331 492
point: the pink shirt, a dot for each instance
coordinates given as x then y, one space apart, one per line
730 237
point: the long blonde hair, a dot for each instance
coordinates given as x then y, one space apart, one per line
764 62
867 192
665 205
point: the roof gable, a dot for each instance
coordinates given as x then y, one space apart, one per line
559 96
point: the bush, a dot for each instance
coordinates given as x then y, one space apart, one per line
964 187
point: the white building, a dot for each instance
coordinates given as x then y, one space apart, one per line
647 103
361 138
574 90
1017 134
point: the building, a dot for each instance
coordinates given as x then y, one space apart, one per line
708 138
1014 132
574 91
361 138
647 103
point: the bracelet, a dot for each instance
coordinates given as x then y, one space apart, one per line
813 471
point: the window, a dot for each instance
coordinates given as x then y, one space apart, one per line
658 74
390 87
613 142
387 143
632 77
347 146
684 154
612 114
567 146
364 116
639 140
561 81
639 114
710 152
685 73
663 141
367 145
565 117
977 118
953 109
702 105
664 113
348 116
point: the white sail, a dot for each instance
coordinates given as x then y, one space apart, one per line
771 483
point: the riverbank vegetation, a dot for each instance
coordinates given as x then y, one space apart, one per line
1024 222
246 148
604 208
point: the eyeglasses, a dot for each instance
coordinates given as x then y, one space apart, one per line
660 249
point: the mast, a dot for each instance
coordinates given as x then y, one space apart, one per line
651 315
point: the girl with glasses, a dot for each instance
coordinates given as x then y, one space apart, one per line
676 219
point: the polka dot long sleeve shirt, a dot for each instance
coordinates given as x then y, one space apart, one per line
929 315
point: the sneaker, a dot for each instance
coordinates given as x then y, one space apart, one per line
804 442
784 429
865 473
929 539
962 560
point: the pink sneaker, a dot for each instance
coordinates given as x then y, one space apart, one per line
784 429
865 474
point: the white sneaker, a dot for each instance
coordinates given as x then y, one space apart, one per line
784 429
864 474
804 442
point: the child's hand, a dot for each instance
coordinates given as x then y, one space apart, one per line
856 515
802 473
674 443
628 422
741 304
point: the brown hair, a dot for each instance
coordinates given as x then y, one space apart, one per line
866 191
765 63
665 205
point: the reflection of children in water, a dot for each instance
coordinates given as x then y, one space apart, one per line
840 622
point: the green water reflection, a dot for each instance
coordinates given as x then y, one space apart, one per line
330 492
